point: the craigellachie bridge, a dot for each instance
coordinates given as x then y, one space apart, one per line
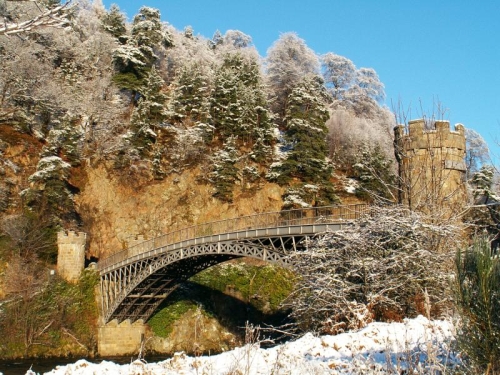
136 280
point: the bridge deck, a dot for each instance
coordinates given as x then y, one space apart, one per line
236 228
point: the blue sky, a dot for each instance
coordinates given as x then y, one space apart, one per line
425 51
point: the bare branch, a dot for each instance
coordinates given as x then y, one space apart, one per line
55 17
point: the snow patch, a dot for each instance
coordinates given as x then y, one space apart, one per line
377 348
350 185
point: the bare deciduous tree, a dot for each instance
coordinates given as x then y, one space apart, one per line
477 153
25 279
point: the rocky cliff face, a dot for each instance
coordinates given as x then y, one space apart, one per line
114 211
115 208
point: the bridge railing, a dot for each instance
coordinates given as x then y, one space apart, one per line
304 216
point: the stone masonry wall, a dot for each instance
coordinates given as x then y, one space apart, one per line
71 254
431 166
120 339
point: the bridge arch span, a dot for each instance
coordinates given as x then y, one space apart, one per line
135 281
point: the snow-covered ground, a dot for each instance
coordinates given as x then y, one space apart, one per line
379 348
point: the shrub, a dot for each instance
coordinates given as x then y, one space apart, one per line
477 296
378 267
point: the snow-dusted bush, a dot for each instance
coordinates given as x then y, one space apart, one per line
380 267
375 174
188 146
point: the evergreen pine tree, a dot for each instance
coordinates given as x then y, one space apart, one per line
238 102
113 22
225 103
376 178
134 59
149 113
224 171
190 99
64 139
484 193
49 194
306 165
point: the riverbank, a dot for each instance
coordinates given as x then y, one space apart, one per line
415 345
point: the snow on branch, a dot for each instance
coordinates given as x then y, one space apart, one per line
55 17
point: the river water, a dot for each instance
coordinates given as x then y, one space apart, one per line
39 366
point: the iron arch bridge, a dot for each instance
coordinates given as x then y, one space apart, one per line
136 280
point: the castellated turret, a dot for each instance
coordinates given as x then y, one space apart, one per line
431 166
71 254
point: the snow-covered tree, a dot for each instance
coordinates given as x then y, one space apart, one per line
147 30
28 16
131 65
487 199
224 170
66 140
339 74
305 139
238 102
369 83
237 39
183 52
233 41
188 147
50 192
134 59
348 132
190 100
288 60
217 40
482 182
477 152
113 22
57 75
189 32
357 90
149 113
375 173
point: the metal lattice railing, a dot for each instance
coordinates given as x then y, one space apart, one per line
275 219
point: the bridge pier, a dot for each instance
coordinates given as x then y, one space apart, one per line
119 339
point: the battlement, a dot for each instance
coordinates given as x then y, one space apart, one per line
441 136
71 237
431 165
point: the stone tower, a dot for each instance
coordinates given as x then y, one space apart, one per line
431 167
71 254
